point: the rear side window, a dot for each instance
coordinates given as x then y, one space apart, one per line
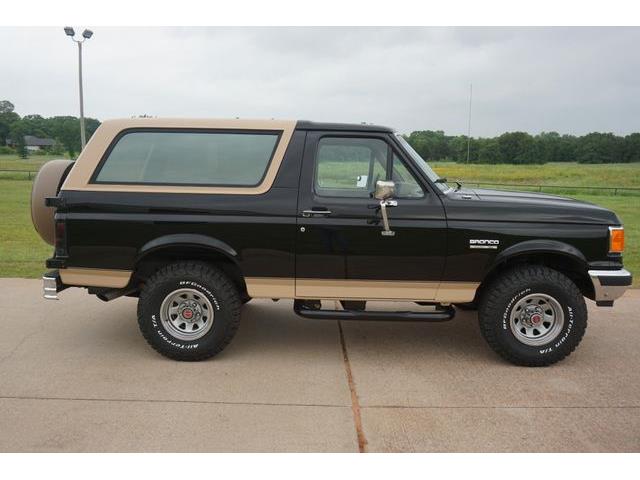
189 158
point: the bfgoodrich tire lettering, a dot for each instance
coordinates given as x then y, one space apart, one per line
513 289
217 293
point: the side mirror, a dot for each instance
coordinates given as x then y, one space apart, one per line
384 190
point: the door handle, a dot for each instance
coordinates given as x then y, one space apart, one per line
316 213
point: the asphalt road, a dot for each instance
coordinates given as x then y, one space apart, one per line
76 375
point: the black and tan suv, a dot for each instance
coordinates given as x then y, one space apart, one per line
196 217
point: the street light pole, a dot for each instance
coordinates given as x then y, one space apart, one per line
83 135
469 126
86 35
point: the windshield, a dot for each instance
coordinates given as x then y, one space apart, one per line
424 166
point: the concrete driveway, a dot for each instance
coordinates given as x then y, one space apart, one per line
76 375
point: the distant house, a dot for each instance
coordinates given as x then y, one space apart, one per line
34 143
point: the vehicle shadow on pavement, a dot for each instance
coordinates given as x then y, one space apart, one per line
267 328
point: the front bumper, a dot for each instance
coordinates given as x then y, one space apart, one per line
608 285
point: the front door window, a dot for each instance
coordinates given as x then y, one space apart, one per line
350 167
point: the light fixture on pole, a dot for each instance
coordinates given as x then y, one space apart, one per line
86 35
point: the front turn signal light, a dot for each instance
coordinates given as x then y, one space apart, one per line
616 239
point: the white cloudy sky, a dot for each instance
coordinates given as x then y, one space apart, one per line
572 80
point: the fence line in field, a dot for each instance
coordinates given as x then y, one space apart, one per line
561 187
31 174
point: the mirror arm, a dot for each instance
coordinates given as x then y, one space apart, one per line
387 232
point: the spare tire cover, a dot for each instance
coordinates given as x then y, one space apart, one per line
47 184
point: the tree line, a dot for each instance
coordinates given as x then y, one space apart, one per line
65 130
523 148
510 147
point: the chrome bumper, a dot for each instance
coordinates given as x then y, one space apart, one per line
609 285
51 285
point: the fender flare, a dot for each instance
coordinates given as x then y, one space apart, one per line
184 240
539 246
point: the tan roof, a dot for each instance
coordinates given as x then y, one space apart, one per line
239 123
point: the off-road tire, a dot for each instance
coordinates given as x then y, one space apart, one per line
503 294
214 286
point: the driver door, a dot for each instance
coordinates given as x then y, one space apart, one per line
341 252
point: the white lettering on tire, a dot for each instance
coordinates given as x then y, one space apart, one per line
564 337
505 315
204 289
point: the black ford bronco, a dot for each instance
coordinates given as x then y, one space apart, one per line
196 217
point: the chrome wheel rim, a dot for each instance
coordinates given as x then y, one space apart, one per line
186 314
536 319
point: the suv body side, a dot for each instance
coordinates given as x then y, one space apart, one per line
447 243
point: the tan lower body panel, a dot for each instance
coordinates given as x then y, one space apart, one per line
365 289
267 287
270 287
447 292
95 277
456 292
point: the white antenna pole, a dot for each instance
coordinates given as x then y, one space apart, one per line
469 126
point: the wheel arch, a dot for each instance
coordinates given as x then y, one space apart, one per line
554 254
178 247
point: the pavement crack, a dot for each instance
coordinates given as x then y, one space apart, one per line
497 407
152 400
355 403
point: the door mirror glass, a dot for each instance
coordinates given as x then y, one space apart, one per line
385 190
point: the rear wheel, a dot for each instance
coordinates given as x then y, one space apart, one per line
533 316
189 311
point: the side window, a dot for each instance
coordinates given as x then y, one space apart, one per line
350 167
406 184
189 158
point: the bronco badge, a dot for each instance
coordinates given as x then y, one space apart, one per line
484 243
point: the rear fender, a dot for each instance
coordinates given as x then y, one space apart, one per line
187 240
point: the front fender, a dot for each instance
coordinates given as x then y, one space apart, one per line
540 246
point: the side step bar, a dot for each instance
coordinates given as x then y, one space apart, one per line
440 315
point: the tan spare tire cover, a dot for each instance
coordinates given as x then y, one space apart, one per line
47 184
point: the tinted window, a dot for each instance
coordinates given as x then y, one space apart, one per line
350 167
189 158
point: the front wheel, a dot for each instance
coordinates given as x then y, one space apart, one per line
533 316
189 311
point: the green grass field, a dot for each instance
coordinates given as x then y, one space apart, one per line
567 174
22 253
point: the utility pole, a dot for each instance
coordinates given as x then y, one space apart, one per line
469 125
86 35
